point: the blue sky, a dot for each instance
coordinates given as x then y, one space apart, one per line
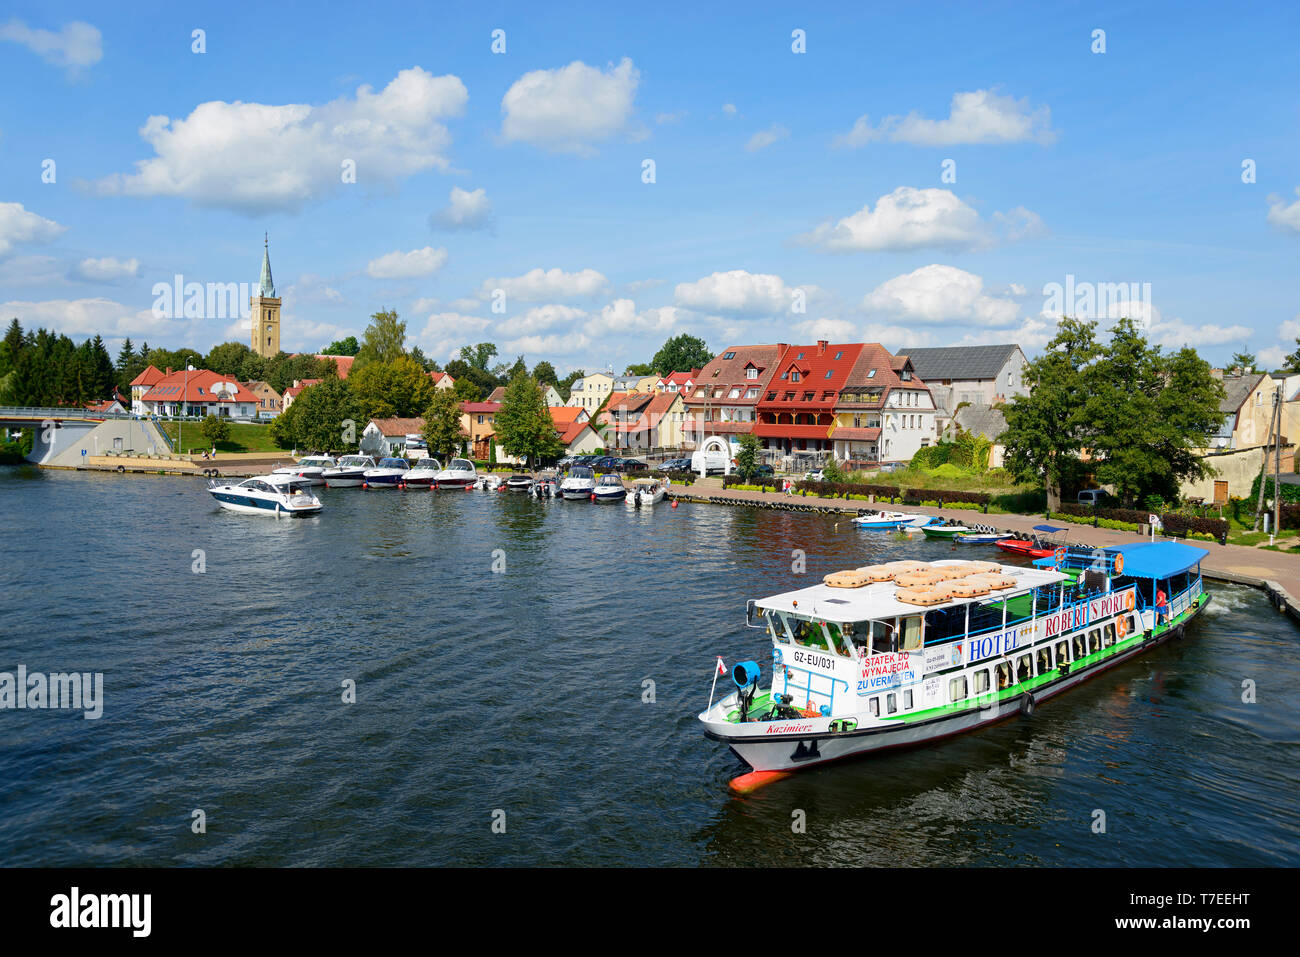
796 195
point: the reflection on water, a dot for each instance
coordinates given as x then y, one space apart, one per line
523 691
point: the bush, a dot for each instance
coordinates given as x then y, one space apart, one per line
678 478
1290 493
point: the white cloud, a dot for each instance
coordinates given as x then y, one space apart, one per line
77 46
940 294
729 109
445 332
408 265
80 318
739 293
1272 357
569 108
833 330
910 218
670 118
765 138
1174 333
312 288
253 157
465 210
1284 216
566 344
541 318
541 284
18 225
106 269
621 317
980 116
893 337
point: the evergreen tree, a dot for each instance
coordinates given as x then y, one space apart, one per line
524 426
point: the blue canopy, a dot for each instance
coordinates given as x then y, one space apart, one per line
1158 559
1048 528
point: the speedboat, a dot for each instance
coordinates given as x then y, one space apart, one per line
1032 547
645 491
312 468
546 485
948 529
609 488
350 471
579 483
459 473
423 474
979 535
389 473
891 520
489 483
519 483
275 494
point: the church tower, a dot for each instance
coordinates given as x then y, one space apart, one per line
266 310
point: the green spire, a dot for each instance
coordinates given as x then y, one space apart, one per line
266 288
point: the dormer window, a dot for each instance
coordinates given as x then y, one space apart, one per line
799 356
906 376
751 373
839 355
794 375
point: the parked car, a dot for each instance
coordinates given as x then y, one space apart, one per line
764 471
1092 496
817 476
676 465
632 465
604 463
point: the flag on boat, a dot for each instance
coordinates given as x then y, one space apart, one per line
722 667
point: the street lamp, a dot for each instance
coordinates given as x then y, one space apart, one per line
180 429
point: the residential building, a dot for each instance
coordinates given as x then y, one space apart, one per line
477 421
1247 409
197 392
634 383
291 394
678 382
441 380
142 384
269 402
979 375
796 412
341 363
726 393
884 412
590 391
657 424
383 437
580 438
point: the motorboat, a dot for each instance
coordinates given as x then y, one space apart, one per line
887 521
645 491
979 535
459 473
275 494
580 482
312 468
946 529
389 473
546 485
489 483
423 474
350 471
519 483
1034 546
609 488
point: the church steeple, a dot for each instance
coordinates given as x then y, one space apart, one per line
266 287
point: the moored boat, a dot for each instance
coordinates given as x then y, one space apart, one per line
580 482
312 468
645 491
459 473
609 488
877 658
350 472
891 520
387 474
945 530
423 474
275 494
519 482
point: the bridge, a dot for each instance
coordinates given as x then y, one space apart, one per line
64 435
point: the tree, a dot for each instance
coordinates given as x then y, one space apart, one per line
681 353
397 388
1292 361
524 426
747 457
544 373
640 368
384 339
565 385
347 346
481 379
1242 363
282 370
465 390
319 418
442 432
1045 428
228 358
215 429
479 355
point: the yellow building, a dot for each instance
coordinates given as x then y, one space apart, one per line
266 311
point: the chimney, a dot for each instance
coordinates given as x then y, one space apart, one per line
821 347
169 371
781 347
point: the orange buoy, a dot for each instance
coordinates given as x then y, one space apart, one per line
674 503
755 780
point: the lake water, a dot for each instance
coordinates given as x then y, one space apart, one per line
522 692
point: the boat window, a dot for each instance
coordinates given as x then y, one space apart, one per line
911 639
1004 676
981 679
1131 625
957 688
944 623
1024 668
838 644
882 635
874 706
891 702
776 627
1109 632
808 634
1094 639
907 699
1044 660
1062 651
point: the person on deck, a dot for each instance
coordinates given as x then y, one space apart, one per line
1162 606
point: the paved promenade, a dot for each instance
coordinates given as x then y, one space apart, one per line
1276 572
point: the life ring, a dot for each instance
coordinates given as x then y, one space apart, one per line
1130 602
1059 555
1027 704
1121 626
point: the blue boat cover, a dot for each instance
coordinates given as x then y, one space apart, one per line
1048 528
1158 559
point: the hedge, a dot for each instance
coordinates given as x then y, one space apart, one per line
1175 524
888 493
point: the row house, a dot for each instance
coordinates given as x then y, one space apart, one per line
269 402
884 412
682 382
646 421
726 393
797 410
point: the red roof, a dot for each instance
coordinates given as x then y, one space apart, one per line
819 371
201 385
342 363
149 376
572 431
727 371
293 390
437 378
857 435
487 407
565 415
773 430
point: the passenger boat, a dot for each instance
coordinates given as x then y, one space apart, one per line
580 482
945 529
275 494
312 468
892 520
907 653
645 491
609 488
387 474
350 471
423 474
459 473
519 483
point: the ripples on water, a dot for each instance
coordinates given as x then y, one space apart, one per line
523 692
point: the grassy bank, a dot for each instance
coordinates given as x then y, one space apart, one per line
244 437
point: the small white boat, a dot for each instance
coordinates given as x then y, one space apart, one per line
579 483
350 471
489 483
646 491
546 485
389 473
276 494
609 488
423 475
459 473
519 483
890 520
312 468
